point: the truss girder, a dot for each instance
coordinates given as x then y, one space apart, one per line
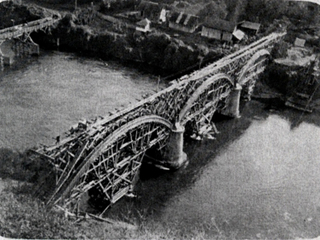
113 165
251 71
206 100
105 153
22 29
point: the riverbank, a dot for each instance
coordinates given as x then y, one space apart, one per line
91 33
157 50
24 216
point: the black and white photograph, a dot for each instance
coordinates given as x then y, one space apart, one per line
160 119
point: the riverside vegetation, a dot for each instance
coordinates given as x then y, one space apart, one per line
24 216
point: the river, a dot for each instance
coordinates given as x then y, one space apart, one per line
41 98
258 179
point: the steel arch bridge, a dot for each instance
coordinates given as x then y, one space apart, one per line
101 157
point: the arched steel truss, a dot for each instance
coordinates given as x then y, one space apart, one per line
251 71
104 154
206 100
109 171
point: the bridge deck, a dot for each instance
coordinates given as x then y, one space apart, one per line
19 30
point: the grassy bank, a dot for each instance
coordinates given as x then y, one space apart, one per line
24 216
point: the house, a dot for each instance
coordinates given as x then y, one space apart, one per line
163 15
238 35
219 29
143 25
299 42
183 22
150 10
250 28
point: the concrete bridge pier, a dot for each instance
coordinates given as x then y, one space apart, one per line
24 48
174 156
7 60
233 103
5 57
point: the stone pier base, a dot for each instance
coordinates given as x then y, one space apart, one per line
233 103
174 155
8 61
26 48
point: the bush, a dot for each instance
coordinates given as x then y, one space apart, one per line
17 166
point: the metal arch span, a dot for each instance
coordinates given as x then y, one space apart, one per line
110 170
252 66
101 156
211 85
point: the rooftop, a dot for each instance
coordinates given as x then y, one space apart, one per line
220 24
184 19
250 25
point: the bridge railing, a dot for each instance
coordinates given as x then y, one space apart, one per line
20 29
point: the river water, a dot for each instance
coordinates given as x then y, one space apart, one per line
259 178
42 97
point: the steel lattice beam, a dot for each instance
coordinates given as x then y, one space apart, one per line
103 155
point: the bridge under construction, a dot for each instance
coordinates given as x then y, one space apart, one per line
100 158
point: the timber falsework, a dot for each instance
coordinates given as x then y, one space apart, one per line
101 158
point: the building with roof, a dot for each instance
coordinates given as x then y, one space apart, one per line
219 29
163 15
299 42
143 25
183 22
238 35
150 10
250 28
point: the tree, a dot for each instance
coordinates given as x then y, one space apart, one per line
265 11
